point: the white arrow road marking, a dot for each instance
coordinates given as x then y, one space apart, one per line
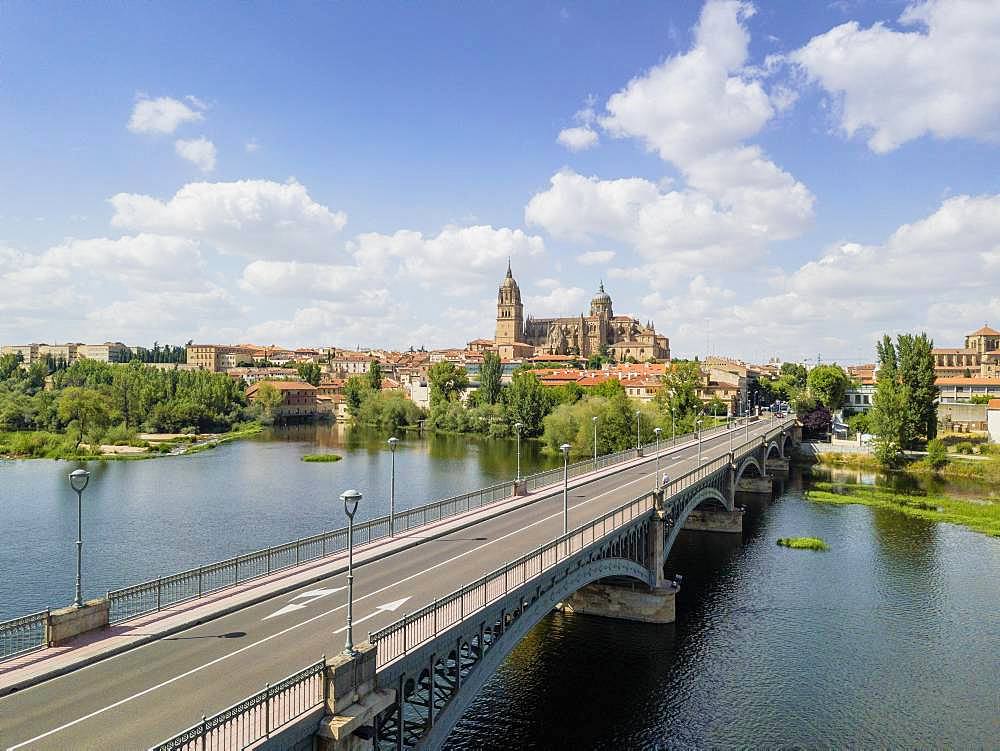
312 594
387 608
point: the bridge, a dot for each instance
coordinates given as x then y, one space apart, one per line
470 577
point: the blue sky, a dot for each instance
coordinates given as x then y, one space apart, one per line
342 174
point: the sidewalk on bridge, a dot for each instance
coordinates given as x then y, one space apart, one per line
86 649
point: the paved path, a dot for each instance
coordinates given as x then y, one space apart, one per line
142 696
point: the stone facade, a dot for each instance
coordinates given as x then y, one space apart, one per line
584 335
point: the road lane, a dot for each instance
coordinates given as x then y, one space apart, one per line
142 696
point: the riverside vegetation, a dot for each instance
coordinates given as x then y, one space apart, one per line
53 411
803 543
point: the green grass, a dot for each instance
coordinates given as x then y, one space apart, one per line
321 458
803 543
980 516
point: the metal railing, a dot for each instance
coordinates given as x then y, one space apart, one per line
414 629
24 634
257 716
155 594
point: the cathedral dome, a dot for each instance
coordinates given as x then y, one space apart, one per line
602 297
508 281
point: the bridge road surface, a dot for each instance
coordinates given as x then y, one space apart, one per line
140 697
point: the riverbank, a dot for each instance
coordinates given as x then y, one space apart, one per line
979 515
984 468
40 444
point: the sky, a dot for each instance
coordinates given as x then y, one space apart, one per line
771 179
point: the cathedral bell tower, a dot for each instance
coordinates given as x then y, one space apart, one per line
510 312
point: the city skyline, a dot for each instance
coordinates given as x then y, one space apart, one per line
340 194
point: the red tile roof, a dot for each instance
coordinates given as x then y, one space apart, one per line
993 404
985 331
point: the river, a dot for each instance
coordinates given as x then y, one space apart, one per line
889 639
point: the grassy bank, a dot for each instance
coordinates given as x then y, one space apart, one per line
321 458
803 543
40 444
980 516
987 470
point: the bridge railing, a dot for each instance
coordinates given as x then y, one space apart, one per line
155 594
257 716
414 629
23 634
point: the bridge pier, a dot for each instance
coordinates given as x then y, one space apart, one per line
627 602
753 491
777 467
353 700
712 520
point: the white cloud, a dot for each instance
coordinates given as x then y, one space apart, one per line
257 218
301 280
940 77
579 138
455 261
163 115
560 301
140 259
699 102
199 151
169 315
596 257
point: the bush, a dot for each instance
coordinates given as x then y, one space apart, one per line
965 447
803 543
937 454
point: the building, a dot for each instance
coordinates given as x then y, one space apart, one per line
980 356
858 398
993 420
961 389
600 332
219 358
107 352
349 363
298 398
250 376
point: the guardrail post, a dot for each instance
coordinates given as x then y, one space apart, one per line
158 592
269 560
201 735
324 544
406 617
267 710
200 570
297 545
435 617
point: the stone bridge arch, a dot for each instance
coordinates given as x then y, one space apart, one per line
774 451
750 462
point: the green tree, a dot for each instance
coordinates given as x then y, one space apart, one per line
490 374
10 364
916 372
268 401
796 373
937 454
309 372
355 390
888 413
678 400
828 384
446 381
374 376
89 409
527 402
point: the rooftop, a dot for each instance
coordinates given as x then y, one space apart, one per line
985 331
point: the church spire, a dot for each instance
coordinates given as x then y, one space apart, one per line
509 275
602 286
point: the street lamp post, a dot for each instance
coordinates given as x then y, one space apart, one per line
392 485
594 420
638 415
78 480
350 499
565 452
697 427
517 427
747 418
656 477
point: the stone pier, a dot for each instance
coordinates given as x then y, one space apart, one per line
753 491
627 602
777 467
711 520
353 701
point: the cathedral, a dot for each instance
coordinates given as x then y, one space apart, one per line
602 332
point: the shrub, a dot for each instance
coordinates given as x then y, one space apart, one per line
965 447
803 543
937 454
321 458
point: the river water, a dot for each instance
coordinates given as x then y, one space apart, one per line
888 640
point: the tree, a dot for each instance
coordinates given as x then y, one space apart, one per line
374 376
937 454
9 364
828 383
88 408
268 400
490 374
817 421
309 372
678 400
888 413
527 402
355 390
796 373
715 406
446 382
916 371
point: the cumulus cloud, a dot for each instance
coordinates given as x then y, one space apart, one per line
297 279
579 138
939 77
596 257
257 218
163 115
199 151
560 301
